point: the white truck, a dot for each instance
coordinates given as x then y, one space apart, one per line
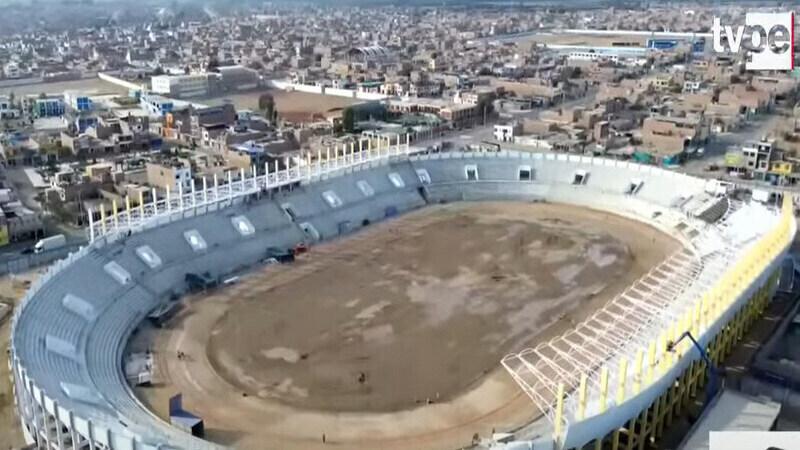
50 243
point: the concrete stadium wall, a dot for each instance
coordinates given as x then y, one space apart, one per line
46 412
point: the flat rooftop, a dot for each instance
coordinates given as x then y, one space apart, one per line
732 411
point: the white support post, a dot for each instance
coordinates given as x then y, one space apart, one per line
408 142
319 162
141 205
128 210
277 169
255 175
308 166
155 202
216 188
266 175
169 200
352 153
205 190
230 185
180 197
194 194
241 178
327 159
91 225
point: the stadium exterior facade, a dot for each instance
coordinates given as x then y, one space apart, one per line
612 378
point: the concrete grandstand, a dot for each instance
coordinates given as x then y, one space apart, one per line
612 378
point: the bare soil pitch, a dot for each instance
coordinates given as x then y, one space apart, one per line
357 338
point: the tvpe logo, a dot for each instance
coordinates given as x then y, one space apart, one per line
768 39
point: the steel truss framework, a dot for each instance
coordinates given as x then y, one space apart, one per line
127 218
578 366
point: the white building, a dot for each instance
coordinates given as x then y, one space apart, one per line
506 132
692 86
11 70
181 86
592 56
7 111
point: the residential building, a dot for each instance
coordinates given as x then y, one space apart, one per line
670 137
172 174
507 132
49 107
77 101
181 86
156 105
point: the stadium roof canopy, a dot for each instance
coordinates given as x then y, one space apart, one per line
370 52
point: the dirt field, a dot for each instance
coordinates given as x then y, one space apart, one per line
392 338
287 103
11 290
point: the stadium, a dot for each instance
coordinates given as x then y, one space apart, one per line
601 364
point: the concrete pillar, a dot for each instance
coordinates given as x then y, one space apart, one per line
115 214
91 224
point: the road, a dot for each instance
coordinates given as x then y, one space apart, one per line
719 143
485 133
27 195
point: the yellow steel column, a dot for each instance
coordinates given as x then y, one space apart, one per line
598 443
603 388
621 376
637 372
559 415
582 397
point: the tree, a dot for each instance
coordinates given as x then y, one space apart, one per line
266 103
349 120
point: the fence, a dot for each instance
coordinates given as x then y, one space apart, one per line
325 90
